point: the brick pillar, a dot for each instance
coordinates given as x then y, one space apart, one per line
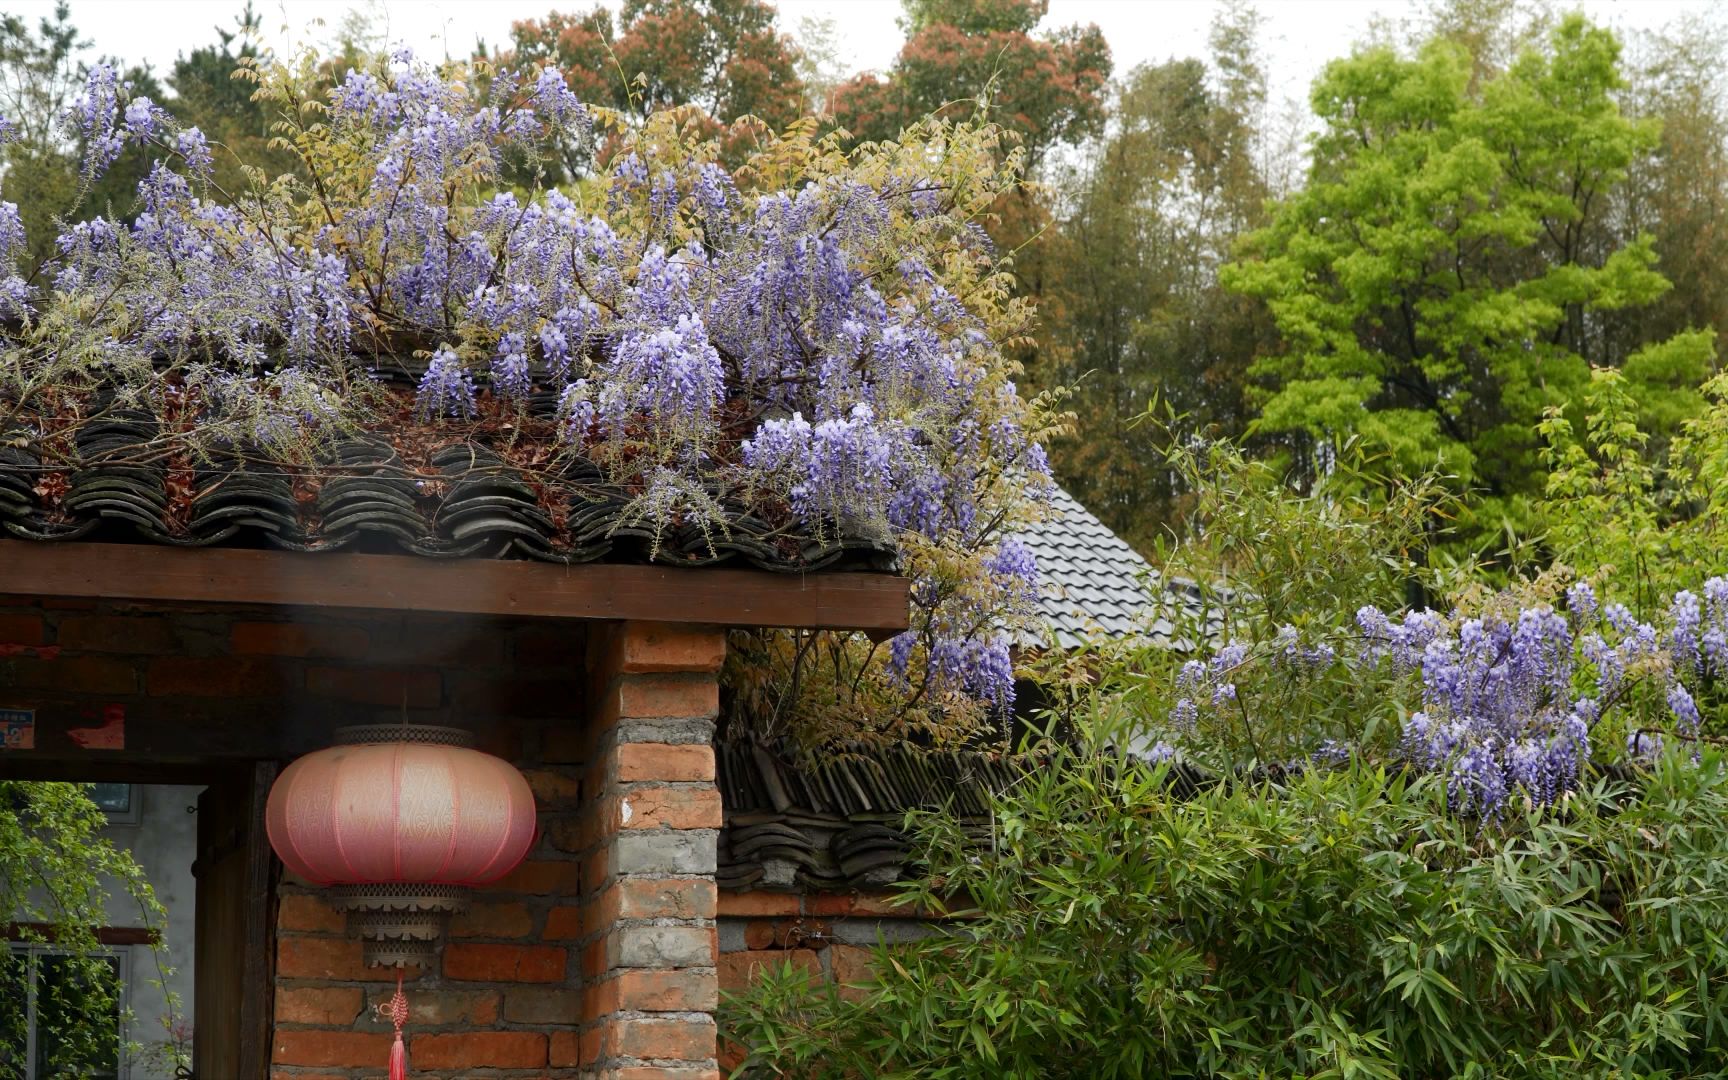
650 942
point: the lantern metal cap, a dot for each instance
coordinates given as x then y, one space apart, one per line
399 923
400 896
422 734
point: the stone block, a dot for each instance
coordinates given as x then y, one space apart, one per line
664 851
650 945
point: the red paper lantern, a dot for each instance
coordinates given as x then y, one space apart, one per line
400 821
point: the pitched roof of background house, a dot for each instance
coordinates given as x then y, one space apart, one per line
1092 583
836 822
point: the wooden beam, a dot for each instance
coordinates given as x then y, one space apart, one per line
714 596
105 935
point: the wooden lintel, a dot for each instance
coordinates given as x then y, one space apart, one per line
713 596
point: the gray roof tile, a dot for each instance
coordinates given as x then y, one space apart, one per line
1092 583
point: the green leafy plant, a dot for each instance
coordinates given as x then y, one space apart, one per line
56 870
1342 925
1260 564
1633 514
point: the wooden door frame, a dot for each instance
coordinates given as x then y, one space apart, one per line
258 985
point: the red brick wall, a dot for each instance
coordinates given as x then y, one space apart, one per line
595 959
216 683
506 990
507 993
828 934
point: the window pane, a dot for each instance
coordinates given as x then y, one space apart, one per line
14 1013
78 1017
114 798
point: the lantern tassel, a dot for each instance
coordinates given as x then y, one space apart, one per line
399 1015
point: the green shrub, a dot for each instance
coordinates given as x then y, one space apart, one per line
1636 517
1345 924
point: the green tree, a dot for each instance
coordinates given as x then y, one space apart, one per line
1637 519
1049 88
726 57
42 71
1133 309
820 67
1679 195
56 869
207 95
1452 266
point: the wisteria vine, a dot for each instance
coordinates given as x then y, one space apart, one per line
1505 704
823 345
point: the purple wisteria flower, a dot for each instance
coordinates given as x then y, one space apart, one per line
981 665
831 468
1159 752
144 120
1211 681
1643 745
93 117
191 145
1300 657
552 100
1500 713
1405 642
446 389
14 290
1687 719
1333 752
715 193
672 376
1620 617
1498 716
809 344
511 377
1686 615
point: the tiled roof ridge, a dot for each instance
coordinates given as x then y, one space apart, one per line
468 502
835 820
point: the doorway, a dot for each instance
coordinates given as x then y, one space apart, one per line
198 1007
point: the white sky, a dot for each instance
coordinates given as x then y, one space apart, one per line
1301 35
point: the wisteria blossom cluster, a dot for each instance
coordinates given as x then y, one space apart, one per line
1498 711
1506 703
821 344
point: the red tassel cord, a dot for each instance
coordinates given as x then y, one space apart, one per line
398 1016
